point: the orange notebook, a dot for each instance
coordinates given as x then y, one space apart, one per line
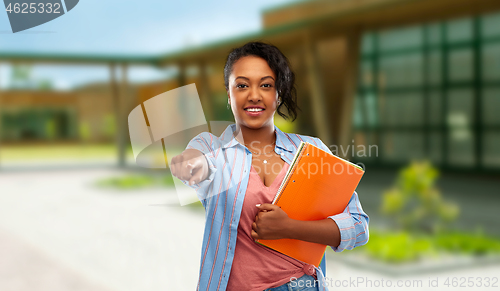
317 185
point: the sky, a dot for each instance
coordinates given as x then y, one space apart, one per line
129 27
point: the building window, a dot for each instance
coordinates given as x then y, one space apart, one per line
432 91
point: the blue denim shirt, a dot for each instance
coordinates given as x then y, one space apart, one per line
223 192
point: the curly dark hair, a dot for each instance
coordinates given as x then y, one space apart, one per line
285 78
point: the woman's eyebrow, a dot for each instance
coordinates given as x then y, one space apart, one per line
241 77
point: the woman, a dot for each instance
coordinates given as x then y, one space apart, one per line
237 175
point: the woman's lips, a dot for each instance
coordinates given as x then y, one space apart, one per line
254 113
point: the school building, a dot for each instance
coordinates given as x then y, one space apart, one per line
383 81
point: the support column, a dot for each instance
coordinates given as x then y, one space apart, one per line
353 40
316 90
120 97
181 106
122 149
181 77
205 94
115 92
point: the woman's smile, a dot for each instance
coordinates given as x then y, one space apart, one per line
254 110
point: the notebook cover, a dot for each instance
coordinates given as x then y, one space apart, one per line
319 185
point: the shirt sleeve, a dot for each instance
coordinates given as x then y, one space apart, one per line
352 222
205 143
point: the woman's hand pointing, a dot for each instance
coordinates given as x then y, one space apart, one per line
191 165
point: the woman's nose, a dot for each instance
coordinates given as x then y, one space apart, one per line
254 95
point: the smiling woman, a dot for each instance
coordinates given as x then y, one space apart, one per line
253 155
271 64
252 94
254 101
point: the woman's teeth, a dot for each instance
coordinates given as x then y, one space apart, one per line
254 109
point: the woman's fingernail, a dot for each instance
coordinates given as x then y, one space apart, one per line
257 205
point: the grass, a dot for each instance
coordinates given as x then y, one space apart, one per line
64 152
136 181
58 152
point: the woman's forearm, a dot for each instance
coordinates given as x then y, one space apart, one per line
323 231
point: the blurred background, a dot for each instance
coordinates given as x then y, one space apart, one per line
410 89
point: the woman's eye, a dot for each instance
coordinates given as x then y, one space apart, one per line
267 85
241 86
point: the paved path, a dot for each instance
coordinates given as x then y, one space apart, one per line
26 267
121 240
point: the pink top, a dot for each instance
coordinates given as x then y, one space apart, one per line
256 267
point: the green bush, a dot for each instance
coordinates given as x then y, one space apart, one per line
415 204
402 246
476 244
398 247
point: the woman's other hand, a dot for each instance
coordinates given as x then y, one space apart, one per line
271 222
191 165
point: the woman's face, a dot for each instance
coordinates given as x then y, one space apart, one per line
252 92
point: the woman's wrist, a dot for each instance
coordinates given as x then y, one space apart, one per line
290 231
206 169
323 231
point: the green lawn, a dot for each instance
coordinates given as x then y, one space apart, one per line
11 153
58 152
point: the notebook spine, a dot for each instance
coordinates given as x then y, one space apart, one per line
292 172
